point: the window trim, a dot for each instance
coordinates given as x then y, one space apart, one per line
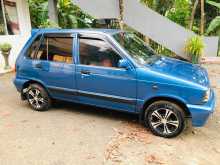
102 67
51 35
37 49
58 35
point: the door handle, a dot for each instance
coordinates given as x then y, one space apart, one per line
39 66
85 72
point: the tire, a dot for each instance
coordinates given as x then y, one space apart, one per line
38 98
165 119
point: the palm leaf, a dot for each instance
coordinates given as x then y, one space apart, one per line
213 3
214 25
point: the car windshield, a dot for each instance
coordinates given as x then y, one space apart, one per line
136 48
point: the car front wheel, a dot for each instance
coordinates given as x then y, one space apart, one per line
165 119
38 98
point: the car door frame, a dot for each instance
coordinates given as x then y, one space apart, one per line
35 61
105 38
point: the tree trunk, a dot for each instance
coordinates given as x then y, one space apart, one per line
202 25
121 7
193 14
52 11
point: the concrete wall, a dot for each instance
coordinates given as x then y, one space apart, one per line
17 41
100 8
162 30
211 46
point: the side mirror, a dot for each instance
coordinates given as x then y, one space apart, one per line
123 63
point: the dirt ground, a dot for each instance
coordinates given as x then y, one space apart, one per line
72 134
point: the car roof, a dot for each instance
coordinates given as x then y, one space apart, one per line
48 30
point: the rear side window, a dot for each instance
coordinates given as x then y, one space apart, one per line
56 49
33 48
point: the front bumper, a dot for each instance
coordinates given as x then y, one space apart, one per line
201 113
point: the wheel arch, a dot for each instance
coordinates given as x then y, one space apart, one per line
162 98
27 84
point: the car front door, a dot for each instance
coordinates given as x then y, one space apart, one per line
99 80
54 65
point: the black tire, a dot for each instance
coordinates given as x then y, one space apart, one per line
38 98
165 119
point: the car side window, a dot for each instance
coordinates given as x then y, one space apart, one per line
56 49
96 52
42 52
33 48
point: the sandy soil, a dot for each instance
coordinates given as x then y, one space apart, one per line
76 134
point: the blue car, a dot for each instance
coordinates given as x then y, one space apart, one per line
113 69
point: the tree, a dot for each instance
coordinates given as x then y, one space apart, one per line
202 23
193 14
121 7
38 12
214 26
180 12
160 6
57 13
52 11
71 16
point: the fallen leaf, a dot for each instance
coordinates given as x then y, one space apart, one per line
153 159
5 114
217 150
90 156
10 125
24 121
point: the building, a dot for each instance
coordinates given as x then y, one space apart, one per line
15 26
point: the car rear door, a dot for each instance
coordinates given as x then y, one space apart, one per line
99 80
54 65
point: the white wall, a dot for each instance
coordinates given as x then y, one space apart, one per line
100 8
17 41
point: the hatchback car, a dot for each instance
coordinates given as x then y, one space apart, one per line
113 69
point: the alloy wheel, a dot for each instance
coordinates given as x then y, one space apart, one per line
35 98
164 121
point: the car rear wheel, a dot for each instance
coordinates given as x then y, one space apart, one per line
38 98
165 119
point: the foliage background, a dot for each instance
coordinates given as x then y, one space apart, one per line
69 15
179 11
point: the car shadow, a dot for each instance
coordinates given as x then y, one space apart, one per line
110 114
88 110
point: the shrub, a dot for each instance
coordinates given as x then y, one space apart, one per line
194 48
5 47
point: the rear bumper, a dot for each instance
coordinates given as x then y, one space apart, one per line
201 113
19 83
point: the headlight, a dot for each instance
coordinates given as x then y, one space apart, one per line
207 95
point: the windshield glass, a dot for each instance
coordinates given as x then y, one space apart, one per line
136 48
